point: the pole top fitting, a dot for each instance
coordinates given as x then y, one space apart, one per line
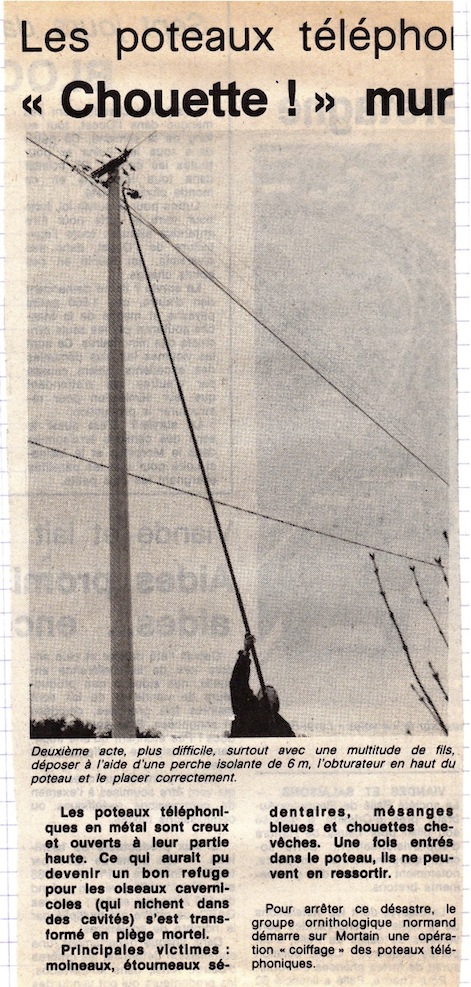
111 166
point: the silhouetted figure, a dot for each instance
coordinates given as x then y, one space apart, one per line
253 715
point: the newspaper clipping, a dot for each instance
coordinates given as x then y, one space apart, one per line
235 588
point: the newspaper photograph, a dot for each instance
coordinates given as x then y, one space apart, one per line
231 355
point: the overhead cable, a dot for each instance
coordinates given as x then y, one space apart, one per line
264 325
242 510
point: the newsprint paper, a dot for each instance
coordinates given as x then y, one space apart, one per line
231 360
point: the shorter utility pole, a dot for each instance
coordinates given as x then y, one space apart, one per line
122 671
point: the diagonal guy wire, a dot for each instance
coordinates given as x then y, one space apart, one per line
427 604
424 697
438 680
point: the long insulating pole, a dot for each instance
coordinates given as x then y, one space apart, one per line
209 493
122 674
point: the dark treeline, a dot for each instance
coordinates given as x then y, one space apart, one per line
62 727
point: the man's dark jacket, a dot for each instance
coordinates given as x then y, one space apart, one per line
252 718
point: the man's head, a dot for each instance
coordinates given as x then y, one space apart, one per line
272 697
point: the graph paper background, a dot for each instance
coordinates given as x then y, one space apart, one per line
8 972
9 975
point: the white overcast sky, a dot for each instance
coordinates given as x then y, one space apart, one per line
345 249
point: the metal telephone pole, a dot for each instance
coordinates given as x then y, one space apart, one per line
122 673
